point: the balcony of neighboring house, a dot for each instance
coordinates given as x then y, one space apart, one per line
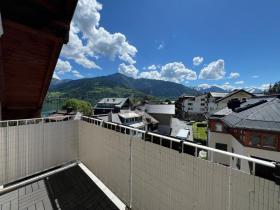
62 163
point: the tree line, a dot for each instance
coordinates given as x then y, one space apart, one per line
274 89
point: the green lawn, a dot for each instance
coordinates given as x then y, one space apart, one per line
199 132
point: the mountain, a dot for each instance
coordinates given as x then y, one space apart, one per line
119 85
56 82
254 90
212 89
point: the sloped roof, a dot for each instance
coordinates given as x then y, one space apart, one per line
146 117
160 108
117 102
265 115
234 92
33 35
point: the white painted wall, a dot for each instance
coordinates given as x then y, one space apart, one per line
196 104
231 142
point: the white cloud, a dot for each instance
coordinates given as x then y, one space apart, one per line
204 86
264 86
234 75
150 75
77 74
177 72
161 46
213 71
96 41
62 66
255 76
55 76
152 67
75 50
239 82
128 70
197 60
174 72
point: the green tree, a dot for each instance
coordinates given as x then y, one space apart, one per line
78 105
274 89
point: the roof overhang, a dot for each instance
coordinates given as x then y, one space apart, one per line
34 33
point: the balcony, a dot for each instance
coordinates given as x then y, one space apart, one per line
143 169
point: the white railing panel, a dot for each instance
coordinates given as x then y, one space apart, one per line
31 146
106 153
163 178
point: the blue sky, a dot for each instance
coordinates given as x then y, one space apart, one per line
237 42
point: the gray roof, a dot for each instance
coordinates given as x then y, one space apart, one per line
265 115
117 102
223 112
146 118
160 108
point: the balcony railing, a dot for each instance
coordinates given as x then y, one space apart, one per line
145 170
34 145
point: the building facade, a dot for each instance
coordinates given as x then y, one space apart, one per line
114 105
241 95
252 130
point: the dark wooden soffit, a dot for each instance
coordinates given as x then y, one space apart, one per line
34 33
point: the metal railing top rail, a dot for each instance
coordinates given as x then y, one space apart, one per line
56 118
196 146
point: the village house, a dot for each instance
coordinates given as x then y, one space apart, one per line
241 95
252 129
106 105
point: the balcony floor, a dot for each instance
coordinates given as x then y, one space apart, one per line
71 189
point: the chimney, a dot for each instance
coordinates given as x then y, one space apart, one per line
110 116
234 104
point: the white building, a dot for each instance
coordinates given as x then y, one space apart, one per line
195 106
163 114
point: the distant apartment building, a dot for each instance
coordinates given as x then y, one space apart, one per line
251 129
241 95
107 105
163 113
195 107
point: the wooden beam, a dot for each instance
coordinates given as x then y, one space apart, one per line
48 76
2 76
27 29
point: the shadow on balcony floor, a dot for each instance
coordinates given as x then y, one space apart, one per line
72 189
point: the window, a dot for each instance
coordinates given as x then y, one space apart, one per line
190 108
255 140
232 151
221 146
269 141
202 104
218 127
190 104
